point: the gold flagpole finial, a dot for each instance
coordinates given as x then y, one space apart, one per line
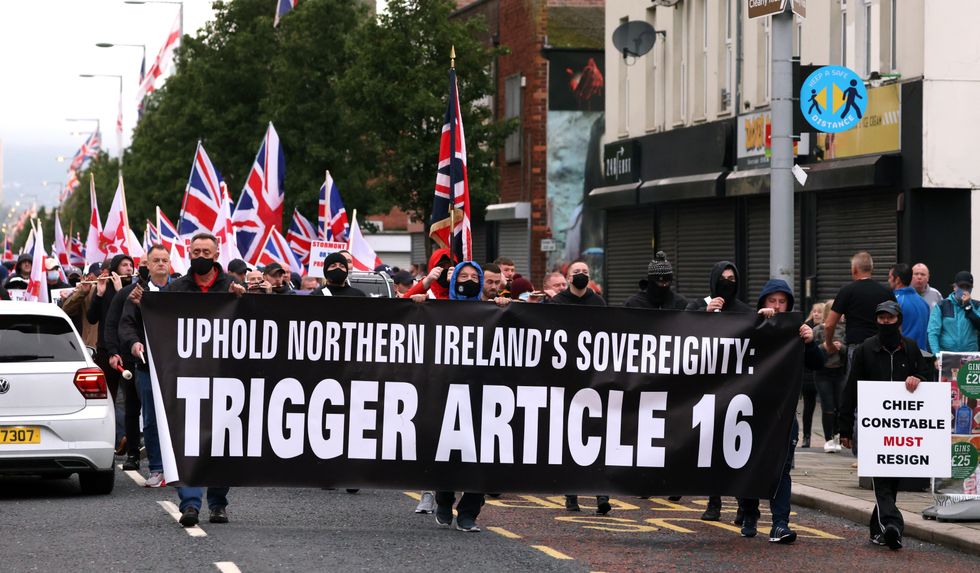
452 57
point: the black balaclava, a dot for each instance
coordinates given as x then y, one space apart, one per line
890 335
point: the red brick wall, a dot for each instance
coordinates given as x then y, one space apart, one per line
397 220
578 3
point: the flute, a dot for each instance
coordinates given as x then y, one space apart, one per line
104 277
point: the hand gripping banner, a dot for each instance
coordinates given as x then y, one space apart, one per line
319 391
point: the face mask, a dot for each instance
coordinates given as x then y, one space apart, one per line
201 266
144 274
726 289
889 335
443 279
336 276
655 292
52 276
468 289
580 280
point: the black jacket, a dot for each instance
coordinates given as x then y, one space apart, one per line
112 320
675 301
187 283
733 305
566 296
99 309
342 290
872 362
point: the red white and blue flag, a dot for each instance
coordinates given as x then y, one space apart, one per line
259 207
88 151
95 248
450 224
275 249
332 217
167 230
202 197
282 8
151 236
8 249
60 247
365 258
162 63
76 254
225 232
300 237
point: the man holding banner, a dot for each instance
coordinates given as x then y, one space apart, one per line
885 356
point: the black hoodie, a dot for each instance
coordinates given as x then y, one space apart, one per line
99 308
733 305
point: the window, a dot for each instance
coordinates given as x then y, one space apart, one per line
38 339
512 109
766 52
651 76
843 34
893 63
702 76
728 58
679 70
868 33
623 87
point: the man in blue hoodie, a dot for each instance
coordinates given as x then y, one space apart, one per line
955 321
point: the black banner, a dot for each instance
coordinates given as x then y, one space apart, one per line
306 391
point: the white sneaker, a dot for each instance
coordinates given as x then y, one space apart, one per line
837 446
831 447
427 504
155 480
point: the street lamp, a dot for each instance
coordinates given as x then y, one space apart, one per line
113 45
178 3
119 117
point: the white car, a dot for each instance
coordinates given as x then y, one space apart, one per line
56 415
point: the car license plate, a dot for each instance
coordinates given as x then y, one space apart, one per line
20 435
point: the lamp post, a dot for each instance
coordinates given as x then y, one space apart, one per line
177 2
142 47
119 117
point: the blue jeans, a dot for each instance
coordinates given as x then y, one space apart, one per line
779 504
151 438
191 497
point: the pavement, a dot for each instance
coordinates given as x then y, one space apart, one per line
829 482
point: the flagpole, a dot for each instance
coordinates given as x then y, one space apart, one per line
452 155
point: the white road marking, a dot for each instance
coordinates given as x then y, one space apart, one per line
135 476
170 508
227 567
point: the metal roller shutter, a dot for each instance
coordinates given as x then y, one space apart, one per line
418 249
513 242
629 240
480 243
852 221
757 246
695 236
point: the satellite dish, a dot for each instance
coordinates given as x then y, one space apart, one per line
634 38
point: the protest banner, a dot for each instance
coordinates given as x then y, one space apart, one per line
319 251
902 433
322 391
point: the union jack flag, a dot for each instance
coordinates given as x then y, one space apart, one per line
169 236
8 249
300 236
282 8
275 249
202 197
76 254
151 236
333 224
259 207
450 223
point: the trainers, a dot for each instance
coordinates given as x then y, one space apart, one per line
749 525
805 443
878 539
132 463
444 516
467 524
830 446
713 512
155 480
602 505
782 534
427 504
892 537
189 517
571 503
218 514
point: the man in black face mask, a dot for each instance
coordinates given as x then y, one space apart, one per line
885 356
335 271
724 288
578 291
658 294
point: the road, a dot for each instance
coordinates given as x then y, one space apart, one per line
49 526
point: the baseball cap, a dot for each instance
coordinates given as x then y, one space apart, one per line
272 269
889 306
963 278
50 264
237 266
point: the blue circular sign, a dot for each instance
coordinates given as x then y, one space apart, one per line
833 99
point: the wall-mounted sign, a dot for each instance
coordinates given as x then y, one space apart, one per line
754 145
833 99
879 131
622 162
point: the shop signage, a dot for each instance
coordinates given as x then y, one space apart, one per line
833 99
622 162
879 131
753 140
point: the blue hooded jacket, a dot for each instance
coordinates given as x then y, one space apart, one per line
453 292
776 285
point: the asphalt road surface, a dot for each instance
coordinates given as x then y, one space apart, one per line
47 525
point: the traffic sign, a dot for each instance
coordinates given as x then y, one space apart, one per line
799 8
833 99
761 8
548 246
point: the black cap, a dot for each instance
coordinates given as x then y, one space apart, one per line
889 306
273 268
237 266
383 268
95 268
334 258
963 278
403 278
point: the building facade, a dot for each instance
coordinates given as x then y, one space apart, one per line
685 147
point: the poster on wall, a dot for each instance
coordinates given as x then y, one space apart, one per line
962 371
576 81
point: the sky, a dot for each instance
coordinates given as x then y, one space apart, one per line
44 46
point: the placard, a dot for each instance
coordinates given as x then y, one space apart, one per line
902 433
319 251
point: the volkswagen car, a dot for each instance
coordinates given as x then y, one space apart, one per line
56 416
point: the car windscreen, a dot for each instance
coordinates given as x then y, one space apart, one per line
27 338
